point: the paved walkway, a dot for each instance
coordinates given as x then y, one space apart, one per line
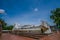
55 36
6 36
13 37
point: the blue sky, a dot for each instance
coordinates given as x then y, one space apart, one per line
28 11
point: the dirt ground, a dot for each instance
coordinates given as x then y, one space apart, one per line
54 36
7 36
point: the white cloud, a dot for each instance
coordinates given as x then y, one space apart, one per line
2 11
36 9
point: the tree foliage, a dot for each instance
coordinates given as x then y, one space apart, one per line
4 25
10 27
55 16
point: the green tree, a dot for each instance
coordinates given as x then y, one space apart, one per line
4 24
55 16
10 27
